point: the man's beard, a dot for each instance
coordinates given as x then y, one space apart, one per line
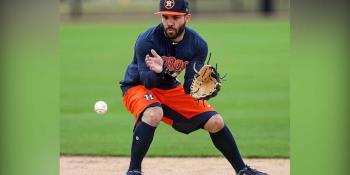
175 33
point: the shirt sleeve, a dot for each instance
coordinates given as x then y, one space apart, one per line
198 62
148 78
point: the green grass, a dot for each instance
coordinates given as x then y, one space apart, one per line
254 100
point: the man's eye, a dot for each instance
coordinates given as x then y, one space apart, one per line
165 17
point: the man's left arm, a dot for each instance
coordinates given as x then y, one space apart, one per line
197 62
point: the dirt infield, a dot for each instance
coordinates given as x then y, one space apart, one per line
72 165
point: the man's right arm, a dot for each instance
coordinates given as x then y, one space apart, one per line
148 78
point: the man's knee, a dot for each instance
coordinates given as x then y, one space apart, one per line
152 116
214 124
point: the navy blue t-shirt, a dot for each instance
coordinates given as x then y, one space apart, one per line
192 50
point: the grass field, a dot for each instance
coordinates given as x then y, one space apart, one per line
254 100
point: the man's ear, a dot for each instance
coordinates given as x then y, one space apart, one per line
188 18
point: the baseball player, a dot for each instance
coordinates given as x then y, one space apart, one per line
151 92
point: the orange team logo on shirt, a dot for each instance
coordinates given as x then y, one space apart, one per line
174 65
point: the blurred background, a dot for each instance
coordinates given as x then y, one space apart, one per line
249 39
88 8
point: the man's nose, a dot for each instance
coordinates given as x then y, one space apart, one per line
170 22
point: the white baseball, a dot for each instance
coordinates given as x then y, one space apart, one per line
100 107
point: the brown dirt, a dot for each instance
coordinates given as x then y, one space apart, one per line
73 165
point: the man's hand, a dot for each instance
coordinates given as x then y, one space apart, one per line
155 62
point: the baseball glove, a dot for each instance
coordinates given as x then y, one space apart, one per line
206 82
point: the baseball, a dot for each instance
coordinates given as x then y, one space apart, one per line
100 107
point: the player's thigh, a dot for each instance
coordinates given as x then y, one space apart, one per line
137 99
182 103
186 124
182 112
